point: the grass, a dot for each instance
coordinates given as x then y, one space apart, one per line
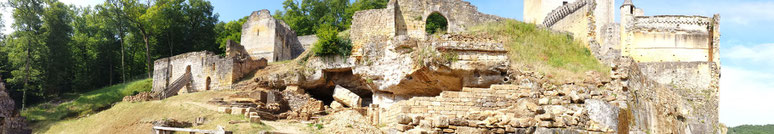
532 48
127 117
85 104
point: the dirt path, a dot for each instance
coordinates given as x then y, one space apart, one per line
287 127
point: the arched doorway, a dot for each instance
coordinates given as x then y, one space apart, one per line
207 84
436 23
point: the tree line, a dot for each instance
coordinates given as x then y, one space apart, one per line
57 49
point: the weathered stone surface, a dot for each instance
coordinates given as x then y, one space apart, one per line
603 113
226 110
336 105
269 38
208 71
403 119
346 97
10 121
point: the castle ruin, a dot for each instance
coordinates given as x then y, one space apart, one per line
266 37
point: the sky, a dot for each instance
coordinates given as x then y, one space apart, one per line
746 48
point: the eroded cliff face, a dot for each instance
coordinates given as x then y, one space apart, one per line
408 79
10 121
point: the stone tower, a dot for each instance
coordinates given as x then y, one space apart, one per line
266 37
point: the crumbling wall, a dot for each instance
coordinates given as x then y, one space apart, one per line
307 41
266 37
208 71
671 38
408 17
460 15
535 11
576 18
369 25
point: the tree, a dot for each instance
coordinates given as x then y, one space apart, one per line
26 50
309 15
229 31
56 31
134 12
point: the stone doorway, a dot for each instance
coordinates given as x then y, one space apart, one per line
436 23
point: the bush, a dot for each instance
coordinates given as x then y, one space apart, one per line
329 43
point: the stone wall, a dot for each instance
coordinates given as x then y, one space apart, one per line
371 24
266 37
575 18
671 38
535 11
408 17
208 71
307 41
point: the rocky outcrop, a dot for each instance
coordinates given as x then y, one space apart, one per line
10 121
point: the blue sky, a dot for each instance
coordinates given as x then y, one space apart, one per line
747 44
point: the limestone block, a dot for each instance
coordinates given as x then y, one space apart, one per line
294 89
224 110
346 97
255 119
544 101
336 105
403 119
440 122
603 113
238 111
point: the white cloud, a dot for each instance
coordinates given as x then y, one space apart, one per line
747 85
758 53
746 96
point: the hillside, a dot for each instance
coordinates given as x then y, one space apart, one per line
752 129
127 117
85 104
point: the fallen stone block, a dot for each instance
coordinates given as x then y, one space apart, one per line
336 105
226 110
237 111
346 97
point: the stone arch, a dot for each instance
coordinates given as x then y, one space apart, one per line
435 21
207 83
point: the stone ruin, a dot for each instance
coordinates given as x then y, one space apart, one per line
266 37
680 51
202 71
10 120
411 82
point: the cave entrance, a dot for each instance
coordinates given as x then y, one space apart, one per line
343 78
436 23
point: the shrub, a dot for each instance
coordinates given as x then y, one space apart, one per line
329 43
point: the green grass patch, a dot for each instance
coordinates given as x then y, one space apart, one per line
538 49
87 103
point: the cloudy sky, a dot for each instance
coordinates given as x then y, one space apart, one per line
747 44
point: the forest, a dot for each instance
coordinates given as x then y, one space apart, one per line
58 50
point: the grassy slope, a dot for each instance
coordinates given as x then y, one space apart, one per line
127 117
538 49
752 129
85 104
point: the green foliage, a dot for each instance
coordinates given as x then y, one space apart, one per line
329 43
229 31
436 23
307 16
541 50
752 129
87 103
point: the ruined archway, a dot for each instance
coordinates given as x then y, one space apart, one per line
207 83
436 23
